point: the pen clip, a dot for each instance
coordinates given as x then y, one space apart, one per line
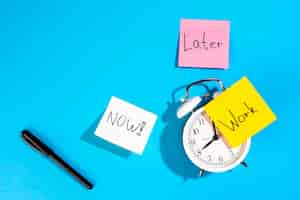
35 142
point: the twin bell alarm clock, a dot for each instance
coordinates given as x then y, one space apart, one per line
202 142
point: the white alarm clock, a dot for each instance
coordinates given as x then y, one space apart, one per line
202 142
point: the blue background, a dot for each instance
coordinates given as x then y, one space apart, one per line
61 61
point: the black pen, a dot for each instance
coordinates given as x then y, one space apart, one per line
43 148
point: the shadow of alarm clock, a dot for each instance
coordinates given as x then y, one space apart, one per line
202 142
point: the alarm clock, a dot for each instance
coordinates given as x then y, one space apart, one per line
202 142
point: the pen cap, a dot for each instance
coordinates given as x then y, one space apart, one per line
35 142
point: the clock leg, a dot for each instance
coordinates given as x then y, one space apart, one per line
244 164
202 172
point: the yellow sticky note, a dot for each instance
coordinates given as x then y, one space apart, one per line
239 112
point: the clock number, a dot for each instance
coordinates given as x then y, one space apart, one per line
209 158
192 142
232 153
201 121
199 152
196 131
221 159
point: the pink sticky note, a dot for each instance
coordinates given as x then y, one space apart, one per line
204 43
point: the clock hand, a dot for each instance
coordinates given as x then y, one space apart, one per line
215 137
215 131
205 146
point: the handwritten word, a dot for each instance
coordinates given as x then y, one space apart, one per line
238 119
197 44
121 120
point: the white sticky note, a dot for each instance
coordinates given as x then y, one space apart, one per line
126 125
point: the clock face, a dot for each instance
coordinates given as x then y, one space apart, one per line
213 156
